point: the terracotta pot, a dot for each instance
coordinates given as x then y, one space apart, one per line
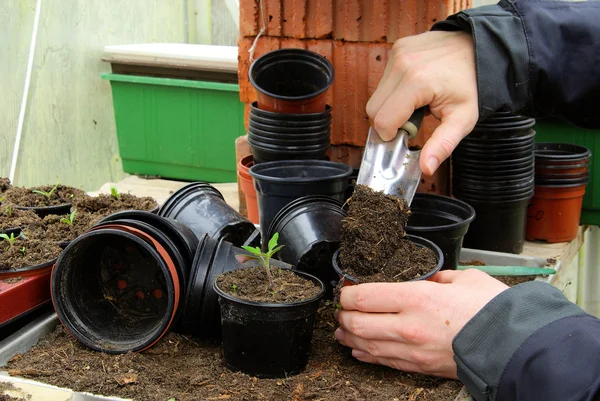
247 185
553 213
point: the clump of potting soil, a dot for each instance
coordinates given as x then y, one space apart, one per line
105 205
17 252
10 217
67 227
4 184
373 246
46 195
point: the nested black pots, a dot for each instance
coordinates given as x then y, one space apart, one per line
310 229
268 340
279 183
494 168
203 209
118 287
442 220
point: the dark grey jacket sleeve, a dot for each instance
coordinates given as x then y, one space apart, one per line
530 343
536 57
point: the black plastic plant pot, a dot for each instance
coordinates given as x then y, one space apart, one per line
561 153
302 117
495 164
484 174
498 226
282 123
507 187
351 184
268 340
289 147
287 130
487 156
116 289
420 241
291 81
499 143
279 183
44 211
491 198
263 154
299 141
492 178
316 135
310 229
562 181
442 220
203 209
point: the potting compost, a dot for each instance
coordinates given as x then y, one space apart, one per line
373 245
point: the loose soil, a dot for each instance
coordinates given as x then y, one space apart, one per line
4 184
35 253
105 205
189 370
25 197
13 280
13 218
373 245
253 285
7 386
510 281
56 230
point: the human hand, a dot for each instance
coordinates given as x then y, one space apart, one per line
435 69
410 326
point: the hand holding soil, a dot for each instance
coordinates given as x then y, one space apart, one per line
411 326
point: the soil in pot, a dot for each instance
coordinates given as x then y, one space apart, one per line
26 253
373 247
25 197
57 228
253 285
4 184
104 205
186 369
12 218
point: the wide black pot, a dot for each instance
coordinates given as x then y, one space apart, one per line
283 123
263 154
310 229
279 183
442 220
290 117
312 129
560 153
268 340
203 209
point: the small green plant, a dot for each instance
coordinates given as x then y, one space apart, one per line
46 194
114 192
264 258
234 287
22 250
70 219
11 239
8 210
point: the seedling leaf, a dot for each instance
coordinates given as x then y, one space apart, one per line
69 220
46 194
253 250
115 192
273 241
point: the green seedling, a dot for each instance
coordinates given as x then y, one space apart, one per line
263 257
22 250
115 193
46 194
11 239
70 219
8 210
234 287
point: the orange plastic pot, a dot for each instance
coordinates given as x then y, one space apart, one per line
247 185
553 213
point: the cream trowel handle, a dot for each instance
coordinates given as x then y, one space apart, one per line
414 123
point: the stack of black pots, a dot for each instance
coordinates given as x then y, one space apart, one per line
493 171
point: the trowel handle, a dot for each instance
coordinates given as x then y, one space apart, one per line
413 124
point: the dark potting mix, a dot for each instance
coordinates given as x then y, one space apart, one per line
373 245
46 195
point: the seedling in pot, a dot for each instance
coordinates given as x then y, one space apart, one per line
8 210
22 250
114 192
263 257
46 194
69 221
11 239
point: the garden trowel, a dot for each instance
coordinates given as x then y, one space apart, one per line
391 166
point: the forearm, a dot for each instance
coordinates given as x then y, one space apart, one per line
530 343
536 57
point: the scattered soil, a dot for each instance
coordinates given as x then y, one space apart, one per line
35 253
510 281
8 386
13 280
373 247
253 285
4 184
105 205
12 218
27 198
189 370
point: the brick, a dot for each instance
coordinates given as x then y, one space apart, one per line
350 155
348 20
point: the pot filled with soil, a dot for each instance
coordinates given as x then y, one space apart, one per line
23 256
43 200
117 288
291 81
442 220
281 182
107 204
203 209
374 246
267 316
12 219
247 187
310 228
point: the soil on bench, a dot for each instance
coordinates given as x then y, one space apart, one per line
25 197
510 281
373 245
185 369
8 387
104 205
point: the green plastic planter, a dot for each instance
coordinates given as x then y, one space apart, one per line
177 128
551 130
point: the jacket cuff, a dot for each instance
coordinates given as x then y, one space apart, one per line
501 55
486 343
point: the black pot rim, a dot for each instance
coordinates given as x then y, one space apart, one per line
459 176
303 117
171 201
30 268
575 152
285 148
274 129
54 209
314 279
561 166
507 143
277 122
436 249
165 321
499 199
561 181
257 171
317 59
468 208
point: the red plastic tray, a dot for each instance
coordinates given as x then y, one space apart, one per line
18 298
